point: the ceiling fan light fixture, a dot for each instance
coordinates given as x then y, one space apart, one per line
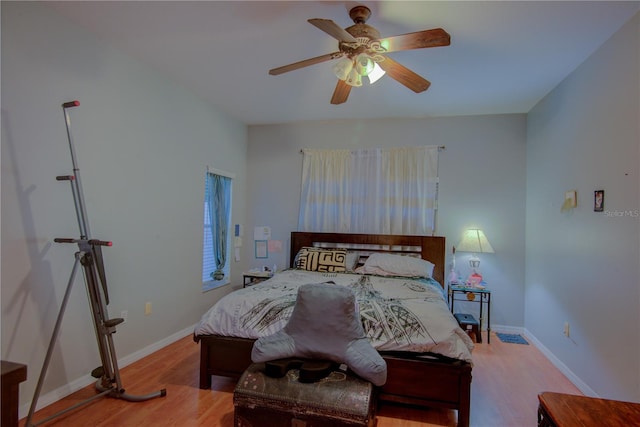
343 67
361 49
364 64
354 78
376 73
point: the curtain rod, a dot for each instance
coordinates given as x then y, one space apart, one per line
440 148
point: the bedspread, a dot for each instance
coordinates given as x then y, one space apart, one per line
398 314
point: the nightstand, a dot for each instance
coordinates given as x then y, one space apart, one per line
253 277
479 295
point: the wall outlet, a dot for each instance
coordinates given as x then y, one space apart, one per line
123 315
147 308
566 329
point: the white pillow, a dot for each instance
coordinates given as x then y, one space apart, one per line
397 265
353 258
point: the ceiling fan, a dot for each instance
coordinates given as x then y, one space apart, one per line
363 53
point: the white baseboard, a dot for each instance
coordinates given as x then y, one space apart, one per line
582 386
67 389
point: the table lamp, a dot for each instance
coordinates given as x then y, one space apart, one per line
476 242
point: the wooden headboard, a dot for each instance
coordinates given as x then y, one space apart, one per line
431 248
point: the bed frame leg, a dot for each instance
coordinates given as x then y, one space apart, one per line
463 417
205 377
464 410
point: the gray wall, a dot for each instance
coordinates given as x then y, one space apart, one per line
142 146
482 183
583 266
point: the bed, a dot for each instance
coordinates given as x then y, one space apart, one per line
434 378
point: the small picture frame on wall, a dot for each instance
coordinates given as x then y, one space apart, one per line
598 201
570 201
261 249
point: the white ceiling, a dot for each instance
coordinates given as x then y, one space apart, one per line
504 55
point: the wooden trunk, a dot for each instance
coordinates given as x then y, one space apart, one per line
340 399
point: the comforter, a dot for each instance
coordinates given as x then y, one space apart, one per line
397 313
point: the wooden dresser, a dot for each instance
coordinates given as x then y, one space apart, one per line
566 410
12 375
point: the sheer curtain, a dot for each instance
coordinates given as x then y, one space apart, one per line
375 190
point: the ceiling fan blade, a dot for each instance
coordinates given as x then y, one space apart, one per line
331 28
341 93
404 75
305 63
418 40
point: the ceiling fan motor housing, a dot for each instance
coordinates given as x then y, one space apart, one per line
360 14
363 30
364 33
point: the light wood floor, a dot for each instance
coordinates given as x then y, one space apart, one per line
506 381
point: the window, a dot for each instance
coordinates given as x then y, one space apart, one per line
216 247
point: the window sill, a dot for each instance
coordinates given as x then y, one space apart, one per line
214 284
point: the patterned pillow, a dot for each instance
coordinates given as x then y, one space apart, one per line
318 259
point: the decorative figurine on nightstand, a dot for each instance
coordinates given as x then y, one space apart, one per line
474 279
481 285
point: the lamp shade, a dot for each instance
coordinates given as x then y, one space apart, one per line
474 241
364 64
354 79
376 73
343 67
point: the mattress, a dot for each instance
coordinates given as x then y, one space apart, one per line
397 313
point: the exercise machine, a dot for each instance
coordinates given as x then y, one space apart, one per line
89 256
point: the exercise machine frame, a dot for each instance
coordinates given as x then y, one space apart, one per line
89 255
